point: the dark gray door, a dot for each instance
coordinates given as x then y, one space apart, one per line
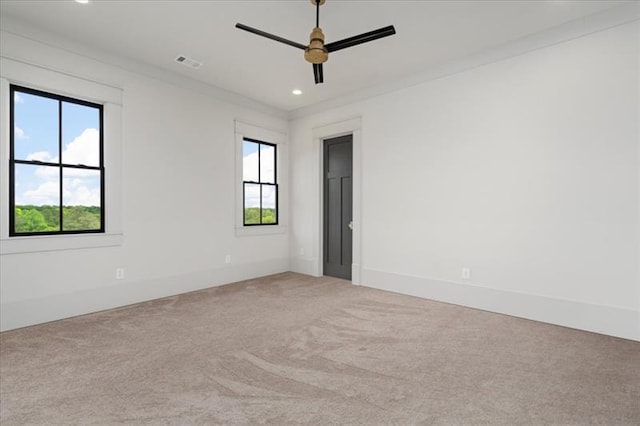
338 206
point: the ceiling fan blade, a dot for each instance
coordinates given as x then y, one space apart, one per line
362 38
317 73
271 36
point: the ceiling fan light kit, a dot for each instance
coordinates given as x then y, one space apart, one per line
316 52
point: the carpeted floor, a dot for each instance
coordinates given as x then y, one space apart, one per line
295 349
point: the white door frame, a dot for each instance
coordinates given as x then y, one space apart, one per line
351 126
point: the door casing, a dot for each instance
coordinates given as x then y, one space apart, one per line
340 128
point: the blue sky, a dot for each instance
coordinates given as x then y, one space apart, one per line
36 138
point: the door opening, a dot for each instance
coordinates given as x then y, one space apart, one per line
338 207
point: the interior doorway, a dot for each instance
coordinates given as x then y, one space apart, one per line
338 207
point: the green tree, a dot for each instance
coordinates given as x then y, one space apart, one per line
29 220
252 215
47 218
268 216
80 218
51 215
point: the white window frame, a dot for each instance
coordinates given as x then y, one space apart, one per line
250 131
22 74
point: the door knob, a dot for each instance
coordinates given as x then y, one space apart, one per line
351 225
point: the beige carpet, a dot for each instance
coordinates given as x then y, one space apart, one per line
294 349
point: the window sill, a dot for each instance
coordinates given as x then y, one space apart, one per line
34 244
249 231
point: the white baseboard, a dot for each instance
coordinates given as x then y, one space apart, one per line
613 321
356 273
305 265
23 313
311 266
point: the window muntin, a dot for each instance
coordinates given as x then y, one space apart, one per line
56 178
260 188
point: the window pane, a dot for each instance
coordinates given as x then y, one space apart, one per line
35 127
250 161
37 198
267 164
81 200
251 204
269 204
80 134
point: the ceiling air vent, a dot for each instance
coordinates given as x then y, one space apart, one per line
191 63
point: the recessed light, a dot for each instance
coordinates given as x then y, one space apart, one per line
82 1
297 92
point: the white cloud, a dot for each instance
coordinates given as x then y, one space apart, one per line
250 165
40 156
267 163
268 197
51 173
252 196
47 173
17 98
45 194
81 187
79 192
84 149
19 133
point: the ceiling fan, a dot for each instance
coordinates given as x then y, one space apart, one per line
317 52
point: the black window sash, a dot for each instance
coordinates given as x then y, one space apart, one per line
62 166
259 182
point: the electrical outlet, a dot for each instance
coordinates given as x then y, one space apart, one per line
301 251
119 273
227 259
466 274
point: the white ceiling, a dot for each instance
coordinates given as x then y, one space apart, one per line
429 33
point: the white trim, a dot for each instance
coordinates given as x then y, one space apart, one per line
610 320
15 72
304 265
638 183
252 231
23 313
60 83
350 126
43 243
256 132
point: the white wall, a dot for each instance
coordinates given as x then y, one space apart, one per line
177 197
525 170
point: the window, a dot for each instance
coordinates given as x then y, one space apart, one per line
261 180
57 86
260 189
56 176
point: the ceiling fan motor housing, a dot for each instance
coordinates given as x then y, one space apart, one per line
316 53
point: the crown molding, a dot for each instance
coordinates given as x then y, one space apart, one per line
18 28
601 21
